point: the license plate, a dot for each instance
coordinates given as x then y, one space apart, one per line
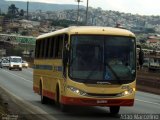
15 66
102 101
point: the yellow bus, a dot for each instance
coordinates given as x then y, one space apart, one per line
86 66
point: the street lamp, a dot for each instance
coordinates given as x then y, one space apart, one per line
87 12
78 9
27 8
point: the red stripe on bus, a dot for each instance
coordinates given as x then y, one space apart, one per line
48 94
96 102
88 101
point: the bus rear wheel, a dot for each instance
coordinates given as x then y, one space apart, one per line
114 110
43 98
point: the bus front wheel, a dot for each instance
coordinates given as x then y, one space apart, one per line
114 109
63 107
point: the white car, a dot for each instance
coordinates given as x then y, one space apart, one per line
4 63
15 62
24 64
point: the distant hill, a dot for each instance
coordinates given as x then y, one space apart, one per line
33 6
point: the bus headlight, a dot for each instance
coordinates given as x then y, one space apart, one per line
77 91
127 92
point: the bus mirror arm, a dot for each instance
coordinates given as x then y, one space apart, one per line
141 56
65 61
65 57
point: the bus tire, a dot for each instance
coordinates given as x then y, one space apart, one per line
57 96
114 110
43 98
63 107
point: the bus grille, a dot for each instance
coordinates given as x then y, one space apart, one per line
103 95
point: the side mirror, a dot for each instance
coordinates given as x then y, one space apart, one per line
65 57
66 53
141 56
65 60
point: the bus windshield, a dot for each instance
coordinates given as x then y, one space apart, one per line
101 58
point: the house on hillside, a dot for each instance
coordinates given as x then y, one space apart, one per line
155 43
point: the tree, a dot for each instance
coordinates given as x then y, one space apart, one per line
13 11
150 30
65 23
21 12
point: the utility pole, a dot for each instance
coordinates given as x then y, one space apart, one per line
78 10
87 12
27 9
27 26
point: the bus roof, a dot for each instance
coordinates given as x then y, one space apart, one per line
90 30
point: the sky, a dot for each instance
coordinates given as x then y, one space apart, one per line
141 7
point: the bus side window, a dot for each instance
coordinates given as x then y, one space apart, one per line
46 48
41 48
49 47
37 49
52 47
59 45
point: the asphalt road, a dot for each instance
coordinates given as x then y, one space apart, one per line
19 83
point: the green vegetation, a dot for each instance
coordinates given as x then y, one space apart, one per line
65 23
13 11
150 30
15 51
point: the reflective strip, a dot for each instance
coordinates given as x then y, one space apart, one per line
48 67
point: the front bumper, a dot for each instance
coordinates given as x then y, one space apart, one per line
15 66
96 101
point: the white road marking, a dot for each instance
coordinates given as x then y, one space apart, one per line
19 77
147 102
